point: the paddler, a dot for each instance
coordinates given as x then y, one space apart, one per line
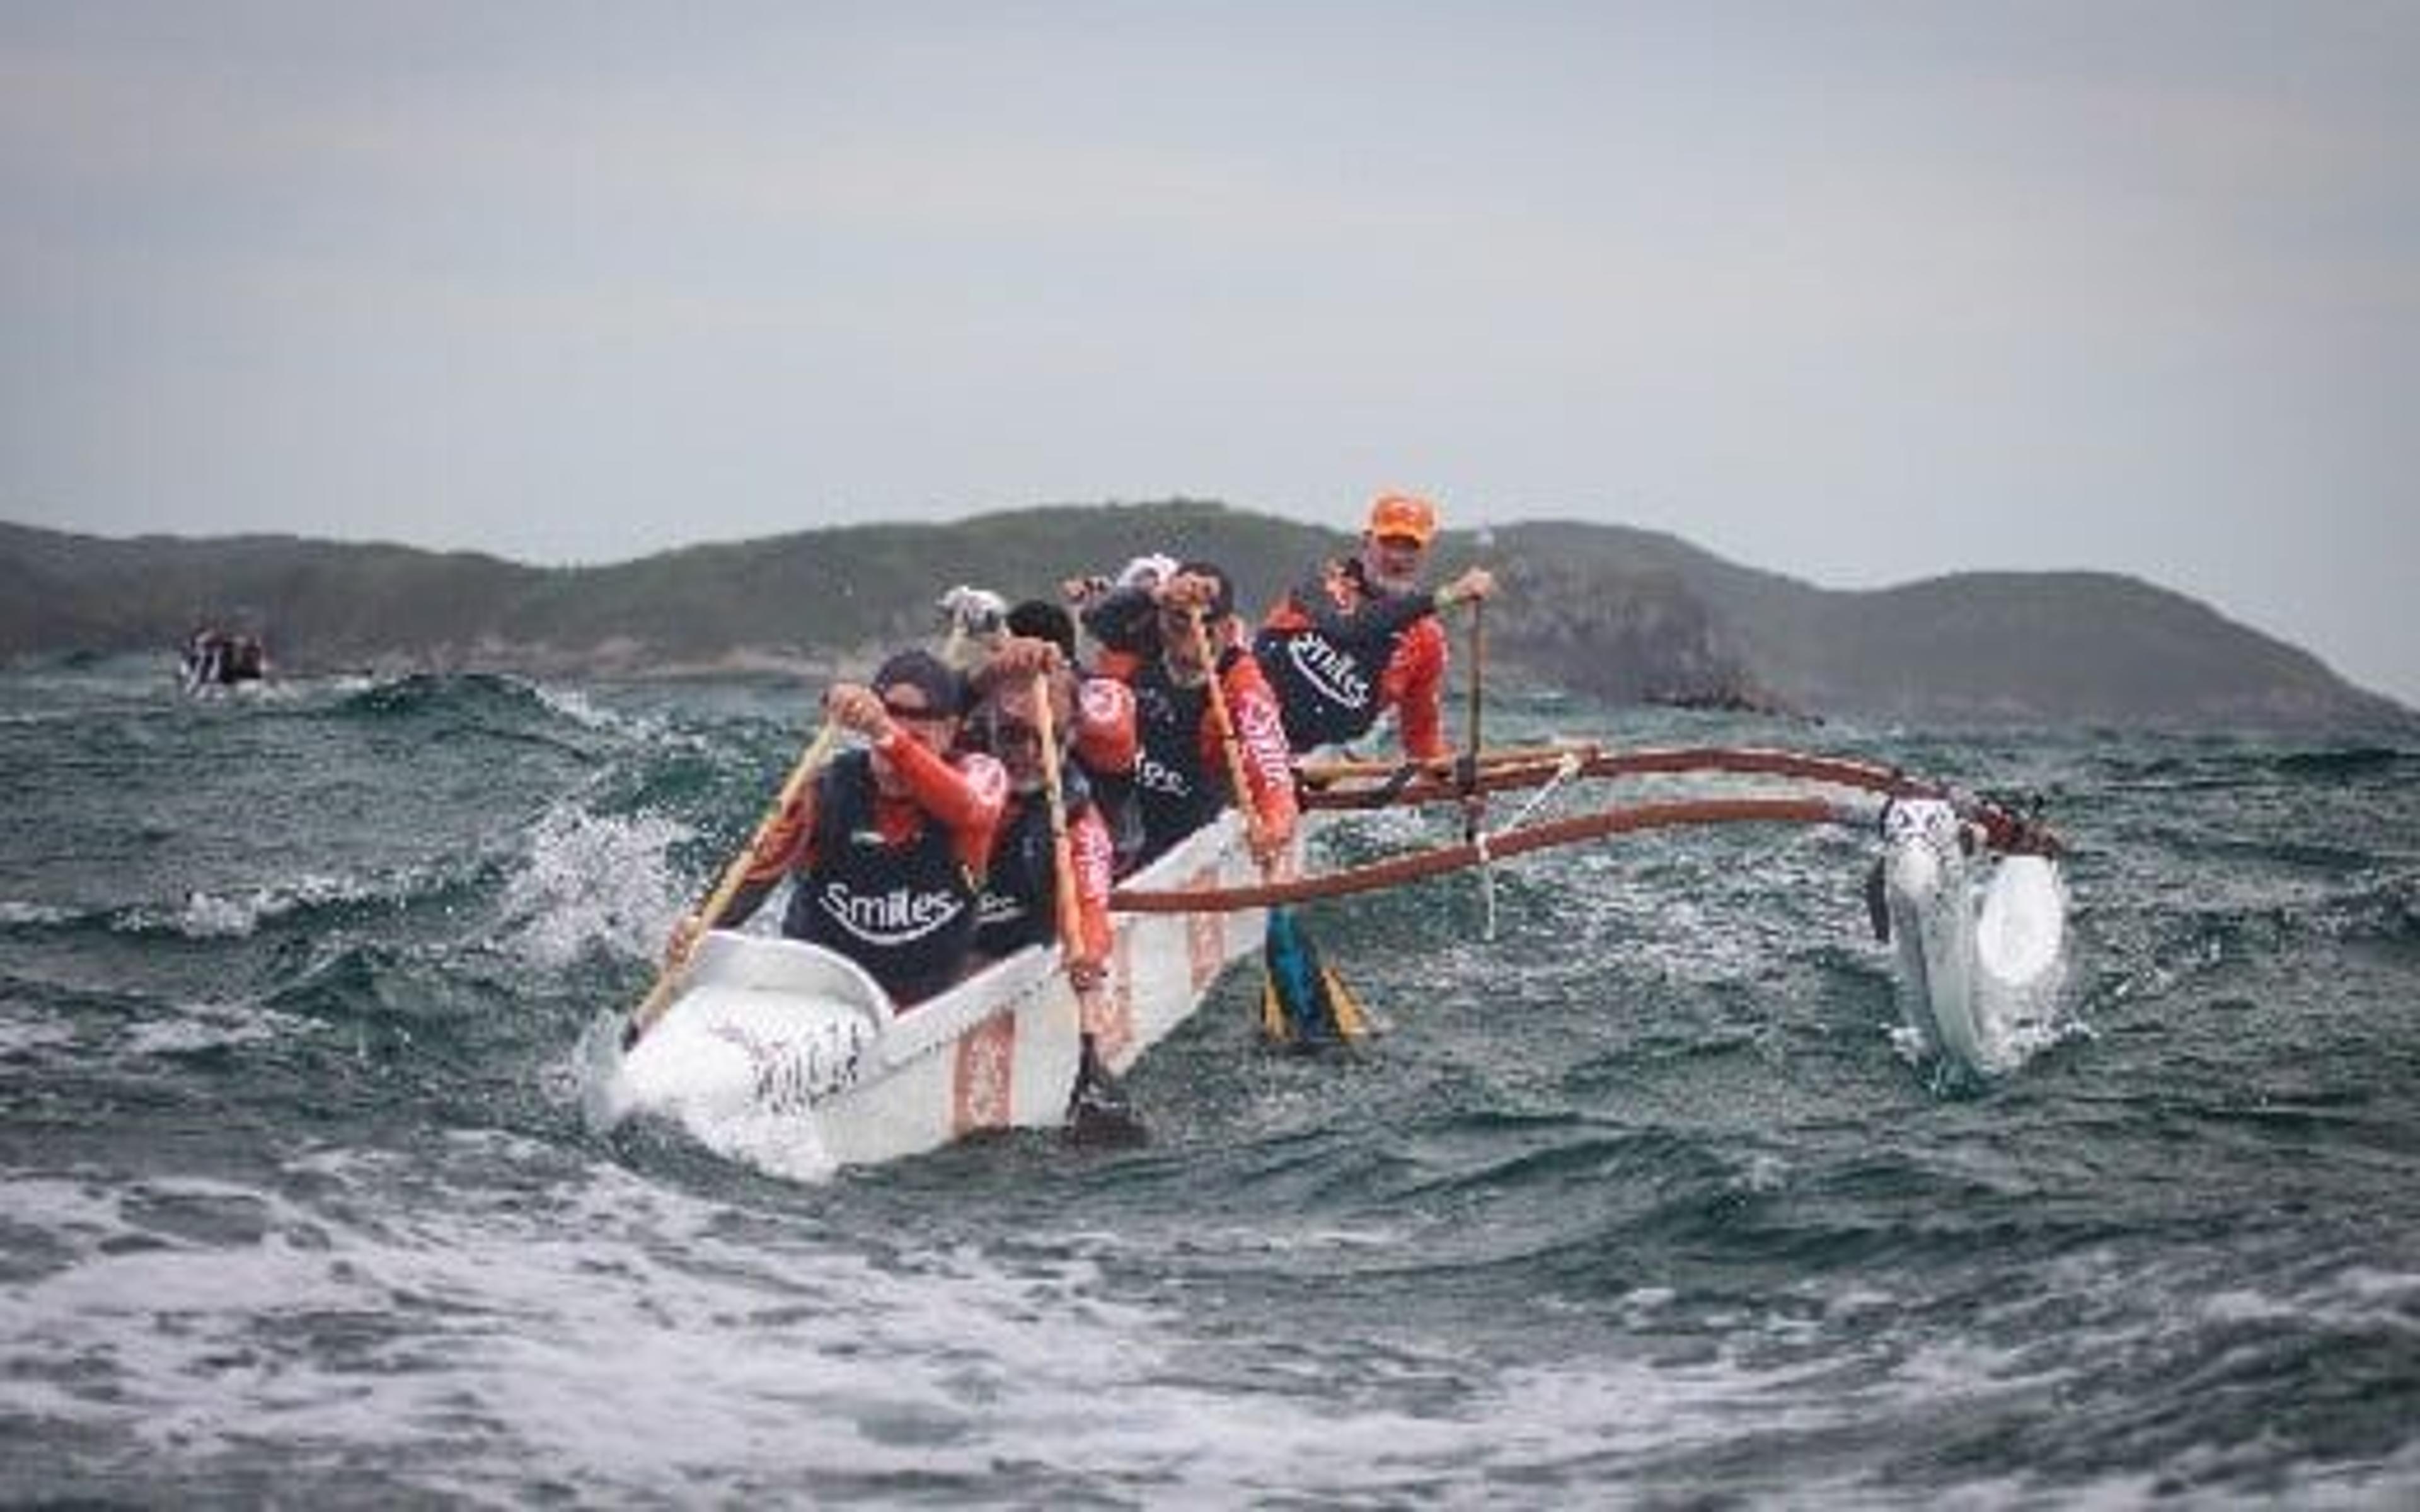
1180 778
1361 637
1102 743
1020 884
1023 893
1118 611
884 850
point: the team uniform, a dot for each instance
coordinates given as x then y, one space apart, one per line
1020 904
1105 747
889 881
1338 652
1180 773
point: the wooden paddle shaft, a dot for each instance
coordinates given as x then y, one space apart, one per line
1478 670
659 997
1228 739
1045 725
1322 773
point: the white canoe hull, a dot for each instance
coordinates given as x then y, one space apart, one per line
788 1054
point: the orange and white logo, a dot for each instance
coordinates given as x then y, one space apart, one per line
984 1077
1205 934
1114 1035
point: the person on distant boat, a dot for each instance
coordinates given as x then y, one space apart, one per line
1362 637
1182 776
199 663
246 660
213 658
884 850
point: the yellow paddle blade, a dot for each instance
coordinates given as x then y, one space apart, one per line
1274 1027
1352 1023
1303 1001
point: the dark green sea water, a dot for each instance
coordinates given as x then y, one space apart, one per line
1640 1204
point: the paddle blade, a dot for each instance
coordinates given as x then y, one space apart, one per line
1878 902
1303 1001
1099 1112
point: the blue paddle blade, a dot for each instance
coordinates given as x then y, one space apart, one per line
1303 1001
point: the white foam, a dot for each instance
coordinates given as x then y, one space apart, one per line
206 916
20 1034
15 912
632 1342
576 706
593 880
209 1025
779 1144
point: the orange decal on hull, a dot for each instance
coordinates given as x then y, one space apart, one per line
983 1076
1205 934
1114 1035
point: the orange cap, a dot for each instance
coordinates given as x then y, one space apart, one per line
1405 515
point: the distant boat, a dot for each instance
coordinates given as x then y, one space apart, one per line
215 660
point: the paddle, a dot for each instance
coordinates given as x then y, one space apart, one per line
1470 762
1098 1109
1474 807
668 979
1302 1000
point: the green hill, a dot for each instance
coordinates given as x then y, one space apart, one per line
1617 614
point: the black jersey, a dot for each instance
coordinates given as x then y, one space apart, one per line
904 913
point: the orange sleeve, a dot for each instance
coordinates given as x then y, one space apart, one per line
785 845
1106 741
1268 762
1414 682
788 844
1120 665
966 793
1094 857
1285 614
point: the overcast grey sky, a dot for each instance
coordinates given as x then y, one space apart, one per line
1859 292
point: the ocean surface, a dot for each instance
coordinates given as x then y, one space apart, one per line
1643 1202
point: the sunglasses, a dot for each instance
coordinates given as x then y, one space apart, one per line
911 711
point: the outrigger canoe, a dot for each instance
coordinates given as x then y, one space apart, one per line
773 1044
